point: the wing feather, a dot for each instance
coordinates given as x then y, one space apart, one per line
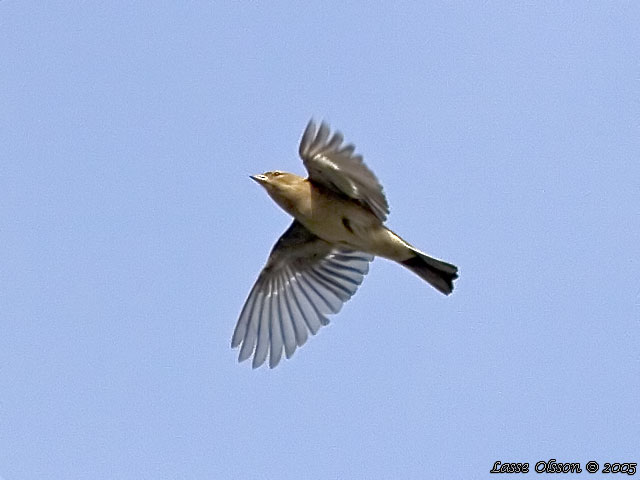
262 345
310 314
335 167
296 316
305 279
286 322
250 334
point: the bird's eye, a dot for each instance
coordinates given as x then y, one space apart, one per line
276 174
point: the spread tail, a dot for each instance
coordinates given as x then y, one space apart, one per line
438 273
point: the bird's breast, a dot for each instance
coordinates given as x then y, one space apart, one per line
334 218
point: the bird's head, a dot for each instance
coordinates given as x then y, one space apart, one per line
277 180
283 187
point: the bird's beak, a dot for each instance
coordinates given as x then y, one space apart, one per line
261 179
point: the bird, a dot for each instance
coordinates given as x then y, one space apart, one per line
319 262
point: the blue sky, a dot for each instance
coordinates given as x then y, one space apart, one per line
507 138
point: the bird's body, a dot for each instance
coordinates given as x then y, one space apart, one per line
334 218
321 259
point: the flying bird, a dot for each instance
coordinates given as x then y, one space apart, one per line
320 260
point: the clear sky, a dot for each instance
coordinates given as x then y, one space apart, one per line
507 138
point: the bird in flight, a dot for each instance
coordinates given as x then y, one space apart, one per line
318 263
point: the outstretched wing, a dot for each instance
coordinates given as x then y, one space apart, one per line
334 166
304 279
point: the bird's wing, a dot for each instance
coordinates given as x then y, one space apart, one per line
304 279
335 166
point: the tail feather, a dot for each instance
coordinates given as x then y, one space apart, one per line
438 273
